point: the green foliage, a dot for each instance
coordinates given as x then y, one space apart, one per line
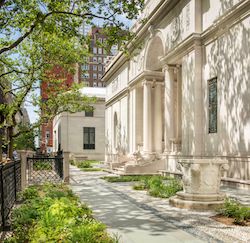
91 169
84 164
130 178
40 165
25 140
30 193
234 209
87 165
158 188
40 43
52 213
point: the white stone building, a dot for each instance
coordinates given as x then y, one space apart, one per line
82 133
185 91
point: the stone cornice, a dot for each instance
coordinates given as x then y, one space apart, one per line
119 95
159 12
223 23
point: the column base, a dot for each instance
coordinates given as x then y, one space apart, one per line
197 201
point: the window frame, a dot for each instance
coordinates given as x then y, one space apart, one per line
88 131
212 85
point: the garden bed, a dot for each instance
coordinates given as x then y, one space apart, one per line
52 213
233 213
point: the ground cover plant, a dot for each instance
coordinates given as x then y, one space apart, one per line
52 213
86 165
158 186
130 178
233 209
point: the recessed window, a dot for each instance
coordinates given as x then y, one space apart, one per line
88 138
99 50
85 67
99 76
94 59
99 68
94 67
100 59
94 50
94 76
212 105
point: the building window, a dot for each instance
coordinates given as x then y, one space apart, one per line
99 68
94 59
90 113
85 67
88 138
99 76
94 76
85 75
99 50
100 40
94 50
99 60
212 105
94 67
99 84
94 84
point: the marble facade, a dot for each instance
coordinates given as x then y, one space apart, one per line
157 102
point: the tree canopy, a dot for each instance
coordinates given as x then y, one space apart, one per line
37 35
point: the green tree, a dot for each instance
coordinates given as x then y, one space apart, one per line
35 37
25 140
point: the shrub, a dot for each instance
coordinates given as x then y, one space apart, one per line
234 209
84 164
91 169
54 214
158 188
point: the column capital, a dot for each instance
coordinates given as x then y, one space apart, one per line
168 67
147 82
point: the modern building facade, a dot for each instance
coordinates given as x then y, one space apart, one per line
82 133
185 92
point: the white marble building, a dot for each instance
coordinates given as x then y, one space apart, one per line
185 91
82 133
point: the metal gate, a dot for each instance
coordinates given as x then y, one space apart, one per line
43 169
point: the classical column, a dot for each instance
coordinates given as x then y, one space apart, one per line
169 107
158 117
179 103
147 118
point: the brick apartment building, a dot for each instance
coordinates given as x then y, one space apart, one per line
93 69
90 73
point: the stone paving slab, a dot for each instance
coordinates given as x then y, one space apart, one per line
138 217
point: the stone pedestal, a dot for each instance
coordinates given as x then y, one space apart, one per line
201 184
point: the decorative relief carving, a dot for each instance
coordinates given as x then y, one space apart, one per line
114 85
140 60
175 29
188 17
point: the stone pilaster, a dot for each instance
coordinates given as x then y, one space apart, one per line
158 117
169 107
147 117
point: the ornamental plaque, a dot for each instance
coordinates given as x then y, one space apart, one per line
175 29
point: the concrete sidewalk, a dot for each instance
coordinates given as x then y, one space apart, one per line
136 217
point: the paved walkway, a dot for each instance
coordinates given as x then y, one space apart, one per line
138 218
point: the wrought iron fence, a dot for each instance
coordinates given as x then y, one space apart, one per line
10 184
43 169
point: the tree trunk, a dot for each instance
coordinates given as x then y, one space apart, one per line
1 144
11 142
